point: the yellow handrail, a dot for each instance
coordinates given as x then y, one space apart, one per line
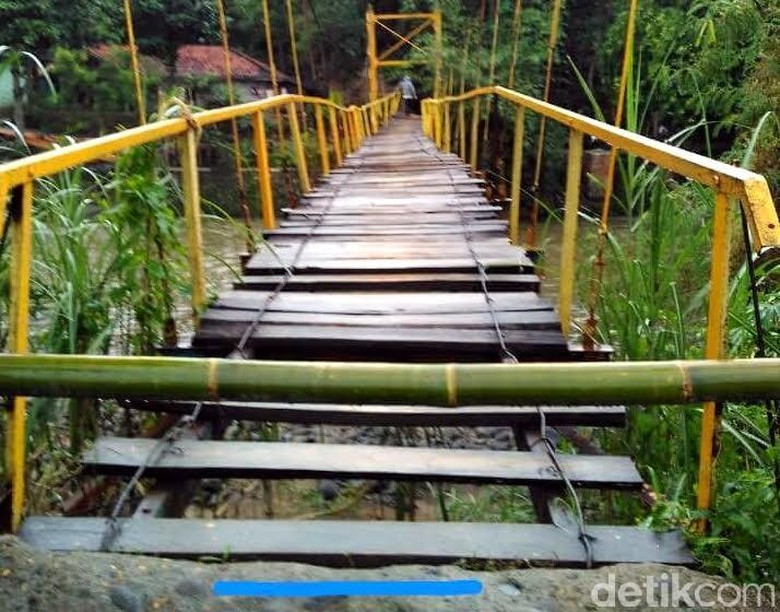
17 180
730 184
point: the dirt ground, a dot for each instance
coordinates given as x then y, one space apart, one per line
31 580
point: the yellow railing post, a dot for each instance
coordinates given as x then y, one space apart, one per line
475 136
334 135
140 101
347 132
263 172
569 243
19 314
188 154
357 121
517 176
716 342
446 135
462 129
368 128
322 142
300 153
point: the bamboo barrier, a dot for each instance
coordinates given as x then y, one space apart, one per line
650 382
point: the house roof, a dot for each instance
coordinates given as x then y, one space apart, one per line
108 53
202 60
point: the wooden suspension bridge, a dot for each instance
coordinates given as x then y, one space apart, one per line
394 295
395 257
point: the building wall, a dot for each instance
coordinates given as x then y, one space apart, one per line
6 92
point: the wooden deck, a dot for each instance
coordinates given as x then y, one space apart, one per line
396 256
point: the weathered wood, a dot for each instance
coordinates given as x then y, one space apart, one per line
366 343
287 460
359 543
384 303
530 319
398 416
393 282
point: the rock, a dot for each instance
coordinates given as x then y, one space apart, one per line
125 599
189 587
328 489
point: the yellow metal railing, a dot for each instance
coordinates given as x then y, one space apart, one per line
730 184
348 127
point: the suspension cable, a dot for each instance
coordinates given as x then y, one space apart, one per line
166 444
770 405
551 45
597 271
509 357
237 159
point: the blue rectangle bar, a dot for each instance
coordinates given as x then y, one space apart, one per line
354 588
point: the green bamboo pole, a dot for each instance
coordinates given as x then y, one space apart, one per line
656 382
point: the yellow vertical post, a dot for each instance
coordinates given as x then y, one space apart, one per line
19 313
716 342
568 248
348 140
269 46
294 48
366 116
188 153
237 158
462 129
373 64
516 22
446 128
263 172
373 117
474 153
437 37
360 128
334 135
552 43
300 154
139 90
437 123
322 142
589 328
517 176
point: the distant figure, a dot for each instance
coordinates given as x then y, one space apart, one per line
407 93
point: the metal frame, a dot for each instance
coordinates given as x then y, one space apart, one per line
377 60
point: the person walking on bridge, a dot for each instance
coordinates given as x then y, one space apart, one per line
407 93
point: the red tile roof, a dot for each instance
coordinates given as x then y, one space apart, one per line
202 60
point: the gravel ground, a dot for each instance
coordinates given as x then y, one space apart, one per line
31 580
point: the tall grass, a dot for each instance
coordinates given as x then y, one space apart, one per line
652 305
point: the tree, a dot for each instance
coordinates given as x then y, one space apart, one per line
162 26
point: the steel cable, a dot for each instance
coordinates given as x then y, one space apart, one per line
166 443
582 535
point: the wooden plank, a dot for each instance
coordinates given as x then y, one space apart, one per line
378 209
379 344
533 319
268 264
383 303
491 228
288 460
359 543
395 282
398 416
